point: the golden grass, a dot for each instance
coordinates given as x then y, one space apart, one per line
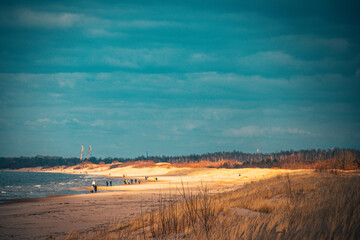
297 206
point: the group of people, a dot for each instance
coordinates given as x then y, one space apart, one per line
155 179
126 181
131 181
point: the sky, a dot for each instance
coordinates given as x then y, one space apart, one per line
178 77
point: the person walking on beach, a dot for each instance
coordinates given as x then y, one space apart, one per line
96 184
110 183
93 185
107 183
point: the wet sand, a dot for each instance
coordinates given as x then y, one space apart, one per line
58 216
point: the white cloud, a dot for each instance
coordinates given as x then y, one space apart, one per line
76 120
45 122
56 95
99 32
191 126
30 18
247 131
120 62
298 131
98 123
58 61
141 57
201 57
146 24
275 61
35 80
26 17
184 127
40 122
269 58
255 131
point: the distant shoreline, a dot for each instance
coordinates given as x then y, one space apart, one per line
6 197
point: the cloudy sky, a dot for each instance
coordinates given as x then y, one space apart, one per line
178 78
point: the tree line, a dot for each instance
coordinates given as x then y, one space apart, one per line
334 158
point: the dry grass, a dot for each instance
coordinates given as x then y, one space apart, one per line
308 206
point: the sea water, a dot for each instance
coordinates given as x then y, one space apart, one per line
17 185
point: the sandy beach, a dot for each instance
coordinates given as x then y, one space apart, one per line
55 217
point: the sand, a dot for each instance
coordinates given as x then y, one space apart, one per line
58 216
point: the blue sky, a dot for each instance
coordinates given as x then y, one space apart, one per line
178 77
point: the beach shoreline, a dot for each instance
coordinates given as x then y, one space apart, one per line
58 216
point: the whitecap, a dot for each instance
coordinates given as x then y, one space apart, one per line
37 186
3 192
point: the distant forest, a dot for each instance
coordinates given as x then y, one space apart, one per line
314 158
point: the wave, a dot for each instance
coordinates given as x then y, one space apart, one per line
34 185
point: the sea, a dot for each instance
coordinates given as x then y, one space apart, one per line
22 185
